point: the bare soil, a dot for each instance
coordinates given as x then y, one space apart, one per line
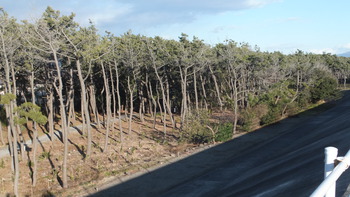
140 149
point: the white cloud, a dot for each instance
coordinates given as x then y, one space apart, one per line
223 28
104 14
346 46
119 16
259 3
321 51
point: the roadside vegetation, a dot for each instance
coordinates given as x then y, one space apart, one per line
137 100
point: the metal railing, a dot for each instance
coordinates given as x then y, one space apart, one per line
331 174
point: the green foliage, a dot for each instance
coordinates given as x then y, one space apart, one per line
224 132
195 130
246 120
304 98
271 117
31 111
253 100
20 120
325 89
7 98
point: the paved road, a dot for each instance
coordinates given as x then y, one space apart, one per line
4 151
286 161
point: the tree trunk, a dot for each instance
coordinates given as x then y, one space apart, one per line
9 139
50 115
63 113
160 107
235 104
142 104
35 137
184 106
168 104
195 90
113 98
93 103
154 105
204 93
1 135
131 93
15 153
85 109
216 87
167 107
20 138
70 101
108 107
119 103
9 115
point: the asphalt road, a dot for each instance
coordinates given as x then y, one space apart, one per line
285 159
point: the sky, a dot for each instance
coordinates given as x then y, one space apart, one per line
315 26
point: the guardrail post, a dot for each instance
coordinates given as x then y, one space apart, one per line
331 154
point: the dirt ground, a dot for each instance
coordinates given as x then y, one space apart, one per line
140 149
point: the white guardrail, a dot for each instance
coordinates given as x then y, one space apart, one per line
331 174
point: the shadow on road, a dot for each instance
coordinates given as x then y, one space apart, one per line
284 159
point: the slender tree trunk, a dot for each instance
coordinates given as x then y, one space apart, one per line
9 139
154 105
108 107
35 137
63 113
9 114
168 104
235 104
184 106
195 90
142 104
131 93
164 117
85 109
113 98
93 103
204 93
160 107
149 97
70 101
167 107
50 114
15 153
216 87
20 138
119 103
1 135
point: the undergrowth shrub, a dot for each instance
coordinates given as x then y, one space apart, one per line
224 132
324 89
195 130
272 116
246 119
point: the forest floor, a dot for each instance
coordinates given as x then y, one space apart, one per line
141 149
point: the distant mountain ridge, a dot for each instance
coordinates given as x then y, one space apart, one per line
346 54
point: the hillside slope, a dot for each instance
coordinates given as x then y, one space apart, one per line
285 159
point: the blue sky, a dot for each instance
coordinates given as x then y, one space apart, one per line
273 25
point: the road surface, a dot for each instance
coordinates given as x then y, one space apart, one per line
285 159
